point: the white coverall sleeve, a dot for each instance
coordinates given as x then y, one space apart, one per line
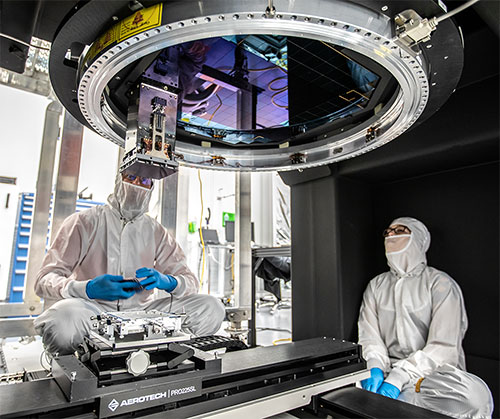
374 349
170 260
67 250
444 340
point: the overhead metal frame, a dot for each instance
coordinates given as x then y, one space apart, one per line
37 83
355 27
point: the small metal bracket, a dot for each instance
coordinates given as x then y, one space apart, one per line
372 133
270 9
218 160
298 158
236 316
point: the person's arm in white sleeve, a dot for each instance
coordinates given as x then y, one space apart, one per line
170 260
374 349
444 339
54 277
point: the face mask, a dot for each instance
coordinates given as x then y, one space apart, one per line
397 244
400 253
133 200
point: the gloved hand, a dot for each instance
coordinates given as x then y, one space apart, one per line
109 287
389 390
155 279
375 381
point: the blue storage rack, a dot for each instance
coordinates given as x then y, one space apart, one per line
22 240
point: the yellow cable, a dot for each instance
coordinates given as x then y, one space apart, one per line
277 89
419 383
337 51
201 235
275 342
277 104
232 268
216 109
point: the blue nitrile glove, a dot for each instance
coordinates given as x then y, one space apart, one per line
109 287
375 381
155 279
389 390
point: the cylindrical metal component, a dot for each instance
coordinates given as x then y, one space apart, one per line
42 199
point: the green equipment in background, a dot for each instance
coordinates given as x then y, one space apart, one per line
227 216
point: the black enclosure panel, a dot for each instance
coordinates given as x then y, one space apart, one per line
333 244
315 262
461 210
337 248
357 244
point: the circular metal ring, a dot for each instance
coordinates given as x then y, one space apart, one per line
354 27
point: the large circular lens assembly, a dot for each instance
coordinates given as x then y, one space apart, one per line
365 88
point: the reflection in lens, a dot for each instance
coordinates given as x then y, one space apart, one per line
262 90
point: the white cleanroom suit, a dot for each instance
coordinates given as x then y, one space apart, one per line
411 325
115 239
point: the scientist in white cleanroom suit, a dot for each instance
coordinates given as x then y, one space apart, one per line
93 254
411 325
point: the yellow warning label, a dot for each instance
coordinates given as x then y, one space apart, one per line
140 21
102 42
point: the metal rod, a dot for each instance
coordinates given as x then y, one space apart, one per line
252 323
68 173
168 199
3 35
17 327
182 207
40 222
245 119
20 309
243 251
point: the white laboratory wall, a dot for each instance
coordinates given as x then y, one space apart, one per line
218 195
98 166
22 118
281 212
270 205
270 210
